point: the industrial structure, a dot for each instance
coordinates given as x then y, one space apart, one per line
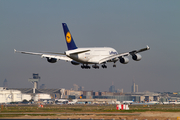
34 81
8 96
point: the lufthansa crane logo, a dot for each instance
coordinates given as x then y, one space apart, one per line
68 37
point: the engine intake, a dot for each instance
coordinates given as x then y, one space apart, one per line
75 63
124 60
136 57
51 60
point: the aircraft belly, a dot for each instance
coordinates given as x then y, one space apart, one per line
96 59
84 59
92 57
81 59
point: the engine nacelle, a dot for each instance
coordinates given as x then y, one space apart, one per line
51 60
136 57
75 63
124 60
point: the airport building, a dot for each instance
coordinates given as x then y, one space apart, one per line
8 96
90 97
54 93
71 94
19 94
97 101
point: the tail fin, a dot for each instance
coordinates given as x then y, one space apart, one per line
80 97
68 37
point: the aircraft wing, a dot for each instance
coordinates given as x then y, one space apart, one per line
113 57
58 56
116 57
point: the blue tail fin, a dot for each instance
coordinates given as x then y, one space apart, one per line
68 37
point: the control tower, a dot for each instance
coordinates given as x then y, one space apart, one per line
34 81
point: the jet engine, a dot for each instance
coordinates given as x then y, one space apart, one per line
75 63
136 57
51 60
124 60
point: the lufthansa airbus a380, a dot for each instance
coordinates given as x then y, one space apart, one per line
86 56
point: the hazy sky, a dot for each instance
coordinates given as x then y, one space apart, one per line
126 25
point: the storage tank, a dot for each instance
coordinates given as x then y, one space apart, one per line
7 96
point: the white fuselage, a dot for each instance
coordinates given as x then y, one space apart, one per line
128 102
90 55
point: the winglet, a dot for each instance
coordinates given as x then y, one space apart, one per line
148 47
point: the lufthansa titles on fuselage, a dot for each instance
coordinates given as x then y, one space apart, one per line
113 53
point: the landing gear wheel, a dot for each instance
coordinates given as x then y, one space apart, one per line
95 66
114 65
85 67
104 66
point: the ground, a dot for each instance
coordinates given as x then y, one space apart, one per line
140 112
91 115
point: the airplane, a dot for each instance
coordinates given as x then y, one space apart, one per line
61 101
171 102
72 102
85 56
128 102
154 102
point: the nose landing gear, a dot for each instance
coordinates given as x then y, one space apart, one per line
114 64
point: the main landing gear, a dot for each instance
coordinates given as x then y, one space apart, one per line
85 67
104 66
95 66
